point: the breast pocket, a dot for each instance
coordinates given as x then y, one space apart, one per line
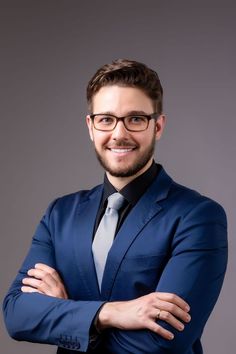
142 273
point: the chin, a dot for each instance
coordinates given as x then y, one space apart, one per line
118 173
128 171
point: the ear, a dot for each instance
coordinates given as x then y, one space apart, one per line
160 125
90 126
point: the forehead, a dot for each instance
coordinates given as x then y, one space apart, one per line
120 100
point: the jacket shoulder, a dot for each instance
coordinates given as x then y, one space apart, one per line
190 200
72 200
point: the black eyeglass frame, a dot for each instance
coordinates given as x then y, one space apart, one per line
154 115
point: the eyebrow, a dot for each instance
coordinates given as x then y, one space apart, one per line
130 113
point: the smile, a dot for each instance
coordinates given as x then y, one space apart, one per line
122 150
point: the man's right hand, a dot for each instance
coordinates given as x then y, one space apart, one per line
143 313
44 280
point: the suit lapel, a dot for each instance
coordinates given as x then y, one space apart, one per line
147 207
83 237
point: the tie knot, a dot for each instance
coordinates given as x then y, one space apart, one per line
115 201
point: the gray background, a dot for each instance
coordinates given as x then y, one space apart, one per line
49 50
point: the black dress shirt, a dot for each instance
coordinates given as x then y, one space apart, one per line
131 192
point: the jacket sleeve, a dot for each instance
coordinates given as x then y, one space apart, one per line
195 271
39 318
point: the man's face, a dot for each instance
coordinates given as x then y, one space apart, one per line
123 153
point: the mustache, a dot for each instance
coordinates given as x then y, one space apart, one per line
122 143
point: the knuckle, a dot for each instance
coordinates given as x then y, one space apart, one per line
58 288
148 301
172 297
54 272
153 328
46 277
43 278
165 315
157 329
40 285
154 296
172 307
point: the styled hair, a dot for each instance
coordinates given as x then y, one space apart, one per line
127 73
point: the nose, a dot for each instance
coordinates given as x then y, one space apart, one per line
120 132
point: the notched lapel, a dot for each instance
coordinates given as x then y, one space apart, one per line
83 237
147 207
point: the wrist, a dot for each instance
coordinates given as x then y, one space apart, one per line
104 318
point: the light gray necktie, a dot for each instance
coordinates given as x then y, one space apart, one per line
105 233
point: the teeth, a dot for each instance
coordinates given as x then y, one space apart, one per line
121 150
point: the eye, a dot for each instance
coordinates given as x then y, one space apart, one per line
137 119
104 120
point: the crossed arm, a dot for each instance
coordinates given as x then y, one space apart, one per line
140 313
195 272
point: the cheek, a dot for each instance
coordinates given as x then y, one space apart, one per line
100 139
146 141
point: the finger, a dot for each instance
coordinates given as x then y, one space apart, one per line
174 299
170 319
47 269
39 286
46 278
35 283
36 273
47 288
156 328
173 309
28 289
47 284
43 276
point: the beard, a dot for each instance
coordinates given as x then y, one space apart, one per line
128 171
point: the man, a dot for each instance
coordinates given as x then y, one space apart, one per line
141 277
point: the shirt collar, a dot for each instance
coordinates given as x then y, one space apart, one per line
136 188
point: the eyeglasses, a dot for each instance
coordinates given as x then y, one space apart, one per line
133 123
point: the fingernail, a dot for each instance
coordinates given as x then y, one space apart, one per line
187 308
181 327
171 336
188 318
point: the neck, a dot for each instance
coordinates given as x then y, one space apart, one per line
121 182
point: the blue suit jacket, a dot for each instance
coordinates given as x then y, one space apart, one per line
174 240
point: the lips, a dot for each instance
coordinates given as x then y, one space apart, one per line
121 150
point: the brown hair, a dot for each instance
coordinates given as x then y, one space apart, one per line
128 73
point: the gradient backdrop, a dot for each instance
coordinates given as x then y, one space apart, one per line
49 50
